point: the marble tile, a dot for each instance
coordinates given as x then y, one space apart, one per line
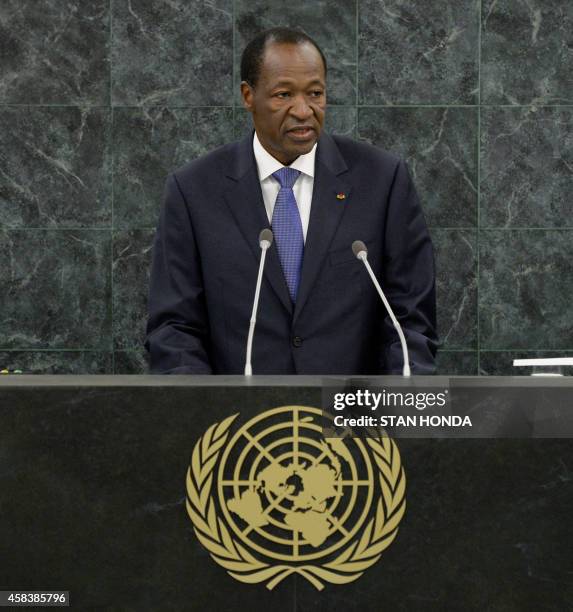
331 23
54 52
243 124
500 363
55 167
456 287
176 53
131 362
151 143
457 363
131 265
525 289
338 120
57 362
341 120
526 167
55 289
440 146
526 52
418 53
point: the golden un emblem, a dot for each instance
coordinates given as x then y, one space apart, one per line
277 498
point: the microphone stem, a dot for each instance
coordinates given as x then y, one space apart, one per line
406 369
248 365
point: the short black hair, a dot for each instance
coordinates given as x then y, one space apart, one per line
253 54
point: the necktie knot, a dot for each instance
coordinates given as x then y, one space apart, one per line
286 177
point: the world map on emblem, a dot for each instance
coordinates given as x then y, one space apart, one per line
289 492
310 487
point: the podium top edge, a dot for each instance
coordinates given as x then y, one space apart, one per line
192 380
107 380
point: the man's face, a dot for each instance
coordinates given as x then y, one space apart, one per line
289 100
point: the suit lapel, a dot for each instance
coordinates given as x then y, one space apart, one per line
325 214
245 200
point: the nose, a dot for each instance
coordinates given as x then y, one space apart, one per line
301 108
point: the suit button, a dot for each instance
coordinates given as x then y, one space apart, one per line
297 341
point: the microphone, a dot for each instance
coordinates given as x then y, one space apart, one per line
361 252
265 241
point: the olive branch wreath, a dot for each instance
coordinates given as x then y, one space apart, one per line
243 566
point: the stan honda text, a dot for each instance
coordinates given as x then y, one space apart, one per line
417 420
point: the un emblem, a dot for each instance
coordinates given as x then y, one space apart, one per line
277 498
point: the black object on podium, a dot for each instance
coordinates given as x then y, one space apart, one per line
105 482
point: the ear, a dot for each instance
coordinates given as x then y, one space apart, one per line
247 95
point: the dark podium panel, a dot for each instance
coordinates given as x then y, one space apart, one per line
92 501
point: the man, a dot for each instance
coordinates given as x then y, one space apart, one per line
318 313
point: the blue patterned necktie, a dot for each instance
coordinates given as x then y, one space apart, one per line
287 229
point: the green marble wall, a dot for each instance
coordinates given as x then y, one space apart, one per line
99 99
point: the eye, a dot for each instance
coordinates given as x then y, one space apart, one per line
316 93
282 95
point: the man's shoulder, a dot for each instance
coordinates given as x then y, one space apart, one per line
213 163
361 151
220 160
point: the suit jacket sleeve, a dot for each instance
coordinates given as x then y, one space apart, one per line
177 326
409 279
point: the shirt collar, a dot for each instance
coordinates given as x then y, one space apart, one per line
267 164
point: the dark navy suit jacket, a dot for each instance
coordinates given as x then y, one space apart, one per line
206 256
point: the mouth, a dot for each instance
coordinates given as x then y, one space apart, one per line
302 133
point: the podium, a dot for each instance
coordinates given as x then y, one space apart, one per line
93 501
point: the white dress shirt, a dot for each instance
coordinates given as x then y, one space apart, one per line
302 189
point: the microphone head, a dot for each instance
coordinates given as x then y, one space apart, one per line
266 238
359 247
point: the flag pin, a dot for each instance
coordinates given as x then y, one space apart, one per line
340 196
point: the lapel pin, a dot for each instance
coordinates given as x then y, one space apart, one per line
340 196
